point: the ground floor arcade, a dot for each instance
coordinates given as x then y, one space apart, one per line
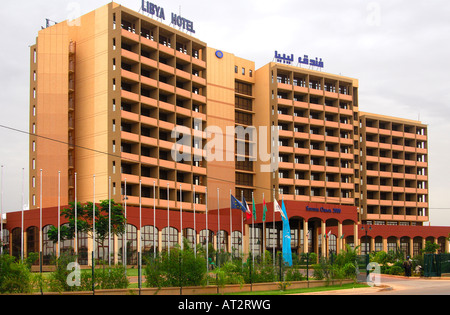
318 230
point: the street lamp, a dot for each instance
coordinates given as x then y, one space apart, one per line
364 228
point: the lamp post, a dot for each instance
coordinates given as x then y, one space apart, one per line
364 228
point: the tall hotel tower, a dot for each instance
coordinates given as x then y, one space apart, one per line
113 93
106 93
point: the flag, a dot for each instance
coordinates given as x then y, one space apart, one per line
287 252
236 204
254 209
277 208
248 212
264 210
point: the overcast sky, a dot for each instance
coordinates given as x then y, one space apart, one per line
398 50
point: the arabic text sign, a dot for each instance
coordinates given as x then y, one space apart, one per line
305 60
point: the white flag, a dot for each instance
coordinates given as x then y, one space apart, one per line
277 208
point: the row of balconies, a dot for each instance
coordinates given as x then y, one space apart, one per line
408 147
151 100
171 74
387 174
396 203
398 166
394 134
414 214
400 158
313 87
395 189
387 128
298 104
192 54
300 155
303 124
315 195
163 200
320 169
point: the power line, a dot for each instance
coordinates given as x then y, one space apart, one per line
137 161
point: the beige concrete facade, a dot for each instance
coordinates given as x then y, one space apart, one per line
108 92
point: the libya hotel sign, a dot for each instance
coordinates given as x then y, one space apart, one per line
155 10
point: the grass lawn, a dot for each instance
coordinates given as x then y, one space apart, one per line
133 272
306 290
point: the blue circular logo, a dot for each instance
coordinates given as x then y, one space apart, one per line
219 54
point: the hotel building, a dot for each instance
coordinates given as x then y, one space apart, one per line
107 92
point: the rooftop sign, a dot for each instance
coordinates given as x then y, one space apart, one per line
178 20
306 61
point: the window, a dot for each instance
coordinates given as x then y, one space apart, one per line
243 88
244 179
243 71
172 233
149 239
250 72
235 69
131 248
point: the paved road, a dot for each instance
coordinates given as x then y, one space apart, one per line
399 286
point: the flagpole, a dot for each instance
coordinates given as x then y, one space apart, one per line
93 224
93 239
181 218
140 237
253 232
264 231
218 225
109 222
231 230
1 214
207 234
124 246
154 219
168 223
21 241
40 225
274 231
59 213
242 229
76 221
195 229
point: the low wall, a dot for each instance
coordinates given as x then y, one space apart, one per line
210 290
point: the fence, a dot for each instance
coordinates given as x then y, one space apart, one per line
436 265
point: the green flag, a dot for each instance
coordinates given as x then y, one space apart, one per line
264 210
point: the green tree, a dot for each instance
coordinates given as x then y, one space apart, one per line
84 221
430 248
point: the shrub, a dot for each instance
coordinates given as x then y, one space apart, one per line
396 270
111 278
294 275
57 281
180 267
229 273
15 277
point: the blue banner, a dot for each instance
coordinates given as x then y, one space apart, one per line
287 252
